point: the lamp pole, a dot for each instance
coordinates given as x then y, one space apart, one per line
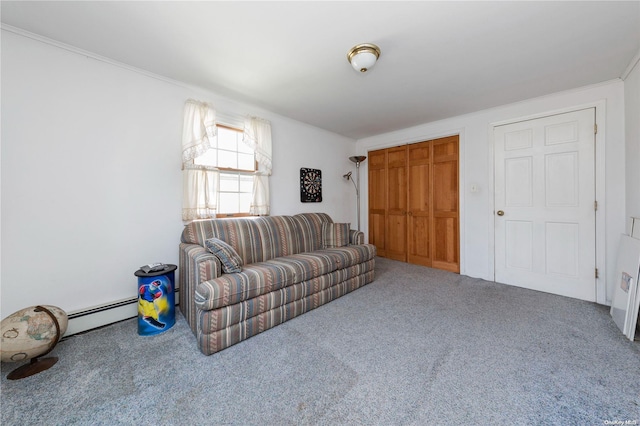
358 159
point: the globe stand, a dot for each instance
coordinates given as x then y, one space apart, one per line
37 364
34 367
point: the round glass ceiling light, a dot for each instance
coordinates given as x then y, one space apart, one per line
363 57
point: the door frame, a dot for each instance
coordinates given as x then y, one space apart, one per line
600 137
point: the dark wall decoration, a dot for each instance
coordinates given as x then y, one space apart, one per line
310 185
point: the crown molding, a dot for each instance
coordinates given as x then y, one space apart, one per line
88 54
631 66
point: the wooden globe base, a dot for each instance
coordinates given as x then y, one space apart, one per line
34 367
37 365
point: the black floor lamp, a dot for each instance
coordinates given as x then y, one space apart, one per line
356 159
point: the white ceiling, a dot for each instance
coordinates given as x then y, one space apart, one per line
439 59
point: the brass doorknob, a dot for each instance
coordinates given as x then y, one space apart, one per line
500 213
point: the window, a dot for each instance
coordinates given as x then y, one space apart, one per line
225 171
237 165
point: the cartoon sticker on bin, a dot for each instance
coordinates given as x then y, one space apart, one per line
153 303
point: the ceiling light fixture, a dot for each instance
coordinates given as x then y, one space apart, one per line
363 57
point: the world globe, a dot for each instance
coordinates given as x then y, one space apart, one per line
30 333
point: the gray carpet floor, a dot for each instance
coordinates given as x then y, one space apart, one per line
416 347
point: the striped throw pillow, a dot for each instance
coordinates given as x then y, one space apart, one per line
335 234
229 258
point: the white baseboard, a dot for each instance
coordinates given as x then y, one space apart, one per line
99 316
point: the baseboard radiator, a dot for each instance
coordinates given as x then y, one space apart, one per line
102 315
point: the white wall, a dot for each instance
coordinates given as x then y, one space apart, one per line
310 147
632 133
476 169
91 180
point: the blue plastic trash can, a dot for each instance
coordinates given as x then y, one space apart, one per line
156 300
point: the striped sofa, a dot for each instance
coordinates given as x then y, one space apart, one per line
288 265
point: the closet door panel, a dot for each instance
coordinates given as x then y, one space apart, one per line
419 217
445 225
396 236
446 252
419 244
377 199
445 194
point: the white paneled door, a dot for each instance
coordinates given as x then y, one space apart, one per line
545 204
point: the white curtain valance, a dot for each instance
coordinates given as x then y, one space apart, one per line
257 135
200 183
198 130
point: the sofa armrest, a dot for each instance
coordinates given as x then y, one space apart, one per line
356 237
197 265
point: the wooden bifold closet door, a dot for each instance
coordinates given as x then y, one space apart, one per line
413 203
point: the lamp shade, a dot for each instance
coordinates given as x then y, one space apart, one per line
363 56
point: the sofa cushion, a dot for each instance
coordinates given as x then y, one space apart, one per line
351 255
230 260
241 234
254 280
226 316
278 236
309 230
335 234
308 265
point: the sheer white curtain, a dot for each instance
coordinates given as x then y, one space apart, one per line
257 134
200 183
